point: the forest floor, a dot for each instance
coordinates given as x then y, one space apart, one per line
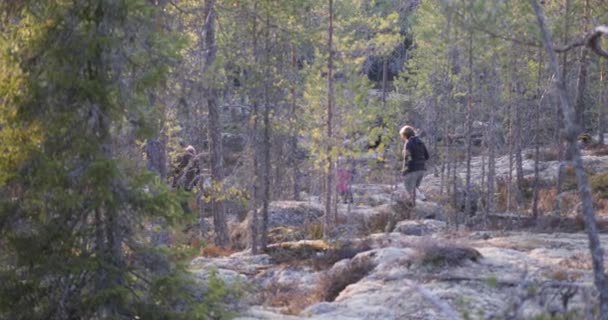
423 269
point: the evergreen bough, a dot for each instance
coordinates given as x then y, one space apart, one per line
75 78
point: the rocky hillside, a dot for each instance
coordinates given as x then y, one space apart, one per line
423 268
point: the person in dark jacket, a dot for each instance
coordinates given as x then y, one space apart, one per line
186 168
415 156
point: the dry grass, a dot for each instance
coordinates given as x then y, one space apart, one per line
504 194
598 150
211 250
440 255
581 261
386 219
334 281
297 252
377 222
316 253
569 178
288 298
562 275
549 154
599 184
285 234
601 205
570 203
346 250
546 200
314 231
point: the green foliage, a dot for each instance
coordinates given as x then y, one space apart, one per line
599 184
75 79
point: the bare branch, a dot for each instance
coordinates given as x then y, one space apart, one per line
594 40
591 40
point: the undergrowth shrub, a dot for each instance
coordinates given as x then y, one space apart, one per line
333 282
288 298
569 178
545 154
212 250
297 252
440 255
599 185
547 199
341 251
505 193
598 150
377 222
285 234
314 231
316 253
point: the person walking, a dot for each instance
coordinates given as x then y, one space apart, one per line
415 156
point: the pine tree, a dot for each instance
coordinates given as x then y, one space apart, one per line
73 198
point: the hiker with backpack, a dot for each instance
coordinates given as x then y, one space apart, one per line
415 155
186 169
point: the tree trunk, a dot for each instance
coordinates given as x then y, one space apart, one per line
253 201
156 152
492 149
253 123
516 129
560 116
214 128
156 156
469 128
293 143
447 87
266 140
597 254
519 162
329 185
601 103
510 172
537 136
581 85
490 139
384 79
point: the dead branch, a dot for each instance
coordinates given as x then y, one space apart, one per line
594 40
591 40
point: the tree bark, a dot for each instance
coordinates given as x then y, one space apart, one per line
537 136
559 114
597 254
156 156
293 143
519 162
515 129
581 85
329 185
384 79
266 140
469 129
492 149
601 103
214 129
510 172
253 123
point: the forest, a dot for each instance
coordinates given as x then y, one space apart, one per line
299 159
